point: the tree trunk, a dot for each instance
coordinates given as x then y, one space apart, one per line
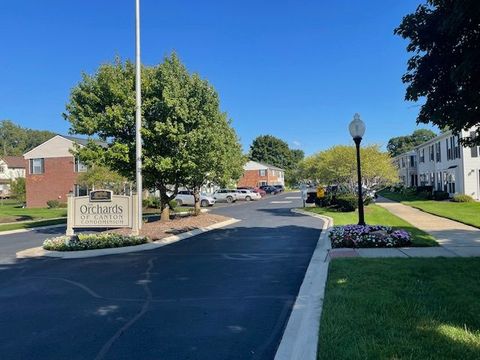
196 196
165 214
165 208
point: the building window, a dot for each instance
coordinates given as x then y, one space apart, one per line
81 190
412 161
475 150
422 155
79 166
403 162
431 153
37 166
456 142
262 172
438 153
2 169
263 183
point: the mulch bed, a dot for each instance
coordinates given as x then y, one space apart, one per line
156 230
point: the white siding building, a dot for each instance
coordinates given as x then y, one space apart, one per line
406 165
445 165
11 168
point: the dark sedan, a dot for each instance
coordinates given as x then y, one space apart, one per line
270 189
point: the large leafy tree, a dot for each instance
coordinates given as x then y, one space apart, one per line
213 151
401 144
337 165
444 36
176 109
274 151
271 150
16 140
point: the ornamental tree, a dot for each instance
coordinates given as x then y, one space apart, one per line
338 165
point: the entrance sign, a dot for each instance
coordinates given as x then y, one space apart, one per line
100 209
101 195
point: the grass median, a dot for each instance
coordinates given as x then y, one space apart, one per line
467 212
376 215
401 309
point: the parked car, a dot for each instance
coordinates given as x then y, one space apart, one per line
259 191
228 195
270 189
247 195
185 197
280 187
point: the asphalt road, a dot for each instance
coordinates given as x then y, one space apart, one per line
225 294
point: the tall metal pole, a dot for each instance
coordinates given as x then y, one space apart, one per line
361 216
138 117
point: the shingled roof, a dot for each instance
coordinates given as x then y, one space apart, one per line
14 162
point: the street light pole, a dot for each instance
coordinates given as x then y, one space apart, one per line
138 120
361 216
357 130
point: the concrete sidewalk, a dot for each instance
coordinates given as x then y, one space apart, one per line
454 237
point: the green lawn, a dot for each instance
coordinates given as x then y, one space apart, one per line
401 309
33 224
12 212
467 213
376 215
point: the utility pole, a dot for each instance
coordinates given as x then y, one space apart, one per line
138 120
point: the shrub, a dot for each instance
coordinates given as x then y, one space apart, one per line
425 189
440 195
368 200
146 203
462 198
63 205
347 203
52 204
360 236
173 204
397 188
91 241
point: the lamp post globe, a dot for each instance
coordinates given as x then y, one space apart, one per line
357 130
357 127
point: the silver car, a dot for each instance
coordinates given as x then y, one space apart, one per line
185 197
247 195
227 195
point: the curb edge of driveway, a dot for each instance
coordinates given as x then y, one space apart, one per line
40 252
300 338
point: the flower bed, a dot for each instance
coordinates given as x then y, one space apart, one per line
92 241
368 236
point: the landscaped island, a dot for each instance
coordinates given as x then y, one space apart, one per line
376 215
150 232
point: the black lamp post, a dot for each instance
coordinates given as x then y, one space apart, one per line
357 129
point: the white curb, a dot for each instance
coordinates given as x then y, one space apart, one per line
300 338
39 251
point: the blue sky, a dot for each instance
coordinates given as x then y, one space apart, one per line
298 70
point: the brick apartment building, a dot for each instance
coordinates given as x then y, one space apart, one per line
52 171
257 174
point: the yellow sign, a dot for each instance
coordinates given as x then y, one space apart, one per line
320 192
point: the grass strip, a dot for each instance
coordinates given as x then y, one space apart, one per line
466 213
